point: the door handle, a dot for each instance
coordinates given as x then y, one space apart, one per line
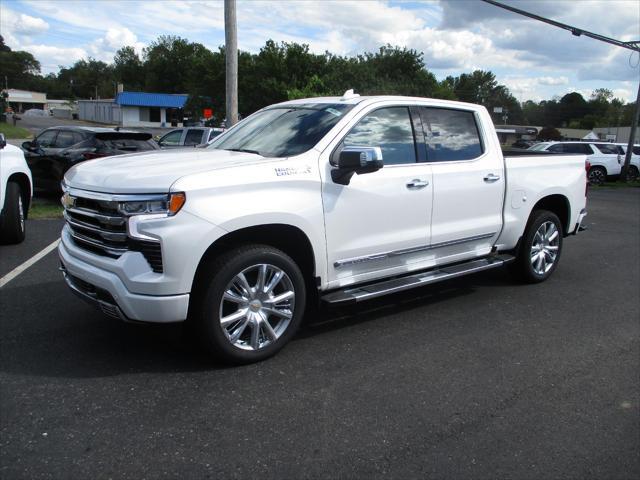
417 184
490 178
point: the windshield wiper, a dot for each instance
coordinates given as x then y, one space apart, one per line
245 150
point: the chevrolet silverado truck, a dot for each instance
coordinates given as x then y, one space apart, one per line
335 200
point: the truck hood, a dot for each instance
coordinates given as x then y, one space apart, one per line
151 172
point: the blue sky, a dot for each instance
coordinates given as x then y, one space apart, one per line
534 60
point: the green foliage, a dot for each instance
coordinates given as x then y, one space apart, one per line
283 71
549 133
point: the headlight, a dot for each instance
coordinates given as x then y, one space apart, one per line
168 205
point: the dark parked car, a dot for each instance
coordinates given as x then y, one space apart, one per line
189 137
57 149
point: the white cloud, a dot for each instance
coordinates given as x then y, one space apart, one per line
28 25
51 57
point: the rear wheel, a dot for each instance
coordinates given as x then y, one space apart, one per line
12 229
597 175
252 304
632 173
540 249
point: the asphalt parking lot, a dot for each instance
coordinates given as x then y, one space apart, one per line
473 378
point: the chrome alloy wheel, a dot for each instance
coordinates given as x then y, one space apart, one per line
596 176
21 213
257 306
544 249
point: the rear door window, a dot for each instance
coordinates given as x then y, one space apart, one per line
65 139
581 148
451 135
194 137
387 128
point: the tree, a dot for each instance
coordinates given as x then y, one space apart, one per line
128 69
21 68
549 133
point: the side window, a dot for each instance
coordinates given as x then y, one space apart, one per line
387 128
47 138
194 137
608 149
172 138
557 148
213 134
64 139
451 135
77 137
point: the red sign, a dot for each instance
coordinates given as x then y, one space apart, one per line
207 113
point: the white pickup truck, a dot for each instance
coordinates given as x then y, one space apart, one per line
336 200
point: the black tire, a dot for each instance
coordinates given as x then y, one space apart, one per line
632 173
525 268
597 175
221 275
12 228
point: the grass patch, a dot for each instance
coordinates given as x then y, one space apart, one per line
11 132
42 209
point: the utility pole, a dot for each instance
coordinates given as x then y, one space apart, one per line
231 54
632 137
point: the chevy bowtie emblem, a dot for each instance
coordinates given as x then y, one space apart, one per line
67 200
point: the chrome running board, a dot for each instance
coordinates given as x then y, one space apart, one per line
398 284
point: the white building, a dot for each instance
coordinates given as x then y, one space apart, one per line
21 100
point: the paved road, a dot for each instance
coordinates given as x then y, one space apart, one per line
475 378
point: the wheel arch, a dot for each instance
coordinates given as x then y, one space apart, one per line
291 240
557 204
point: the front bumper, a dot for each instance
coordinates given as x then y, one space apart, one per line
105 290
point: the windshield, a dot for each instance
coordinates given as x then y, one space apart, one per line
283 131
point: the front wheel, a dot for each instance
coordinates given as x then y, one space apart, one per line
252 304
540 248
12 228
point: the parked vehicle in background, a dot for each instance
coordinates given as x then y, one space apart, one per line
57 149
333 199
35 112
634 167
15 193
524 144
189 137
605 158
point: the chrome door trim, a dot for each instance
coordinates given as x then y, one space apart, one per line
405 251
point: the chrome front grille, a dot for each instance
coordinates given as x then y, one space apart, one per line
97 226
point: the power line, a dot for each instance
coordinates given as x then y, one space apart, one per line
635 45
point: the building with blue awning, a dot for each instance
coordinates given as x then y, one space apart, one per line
135 109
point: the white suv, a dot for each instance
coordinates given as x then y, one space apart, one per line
15 192
605 158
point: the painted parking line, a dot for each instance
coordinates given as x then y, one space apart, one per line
21 268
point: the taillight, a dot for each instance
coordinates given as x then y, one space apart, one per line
92 155
587 167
